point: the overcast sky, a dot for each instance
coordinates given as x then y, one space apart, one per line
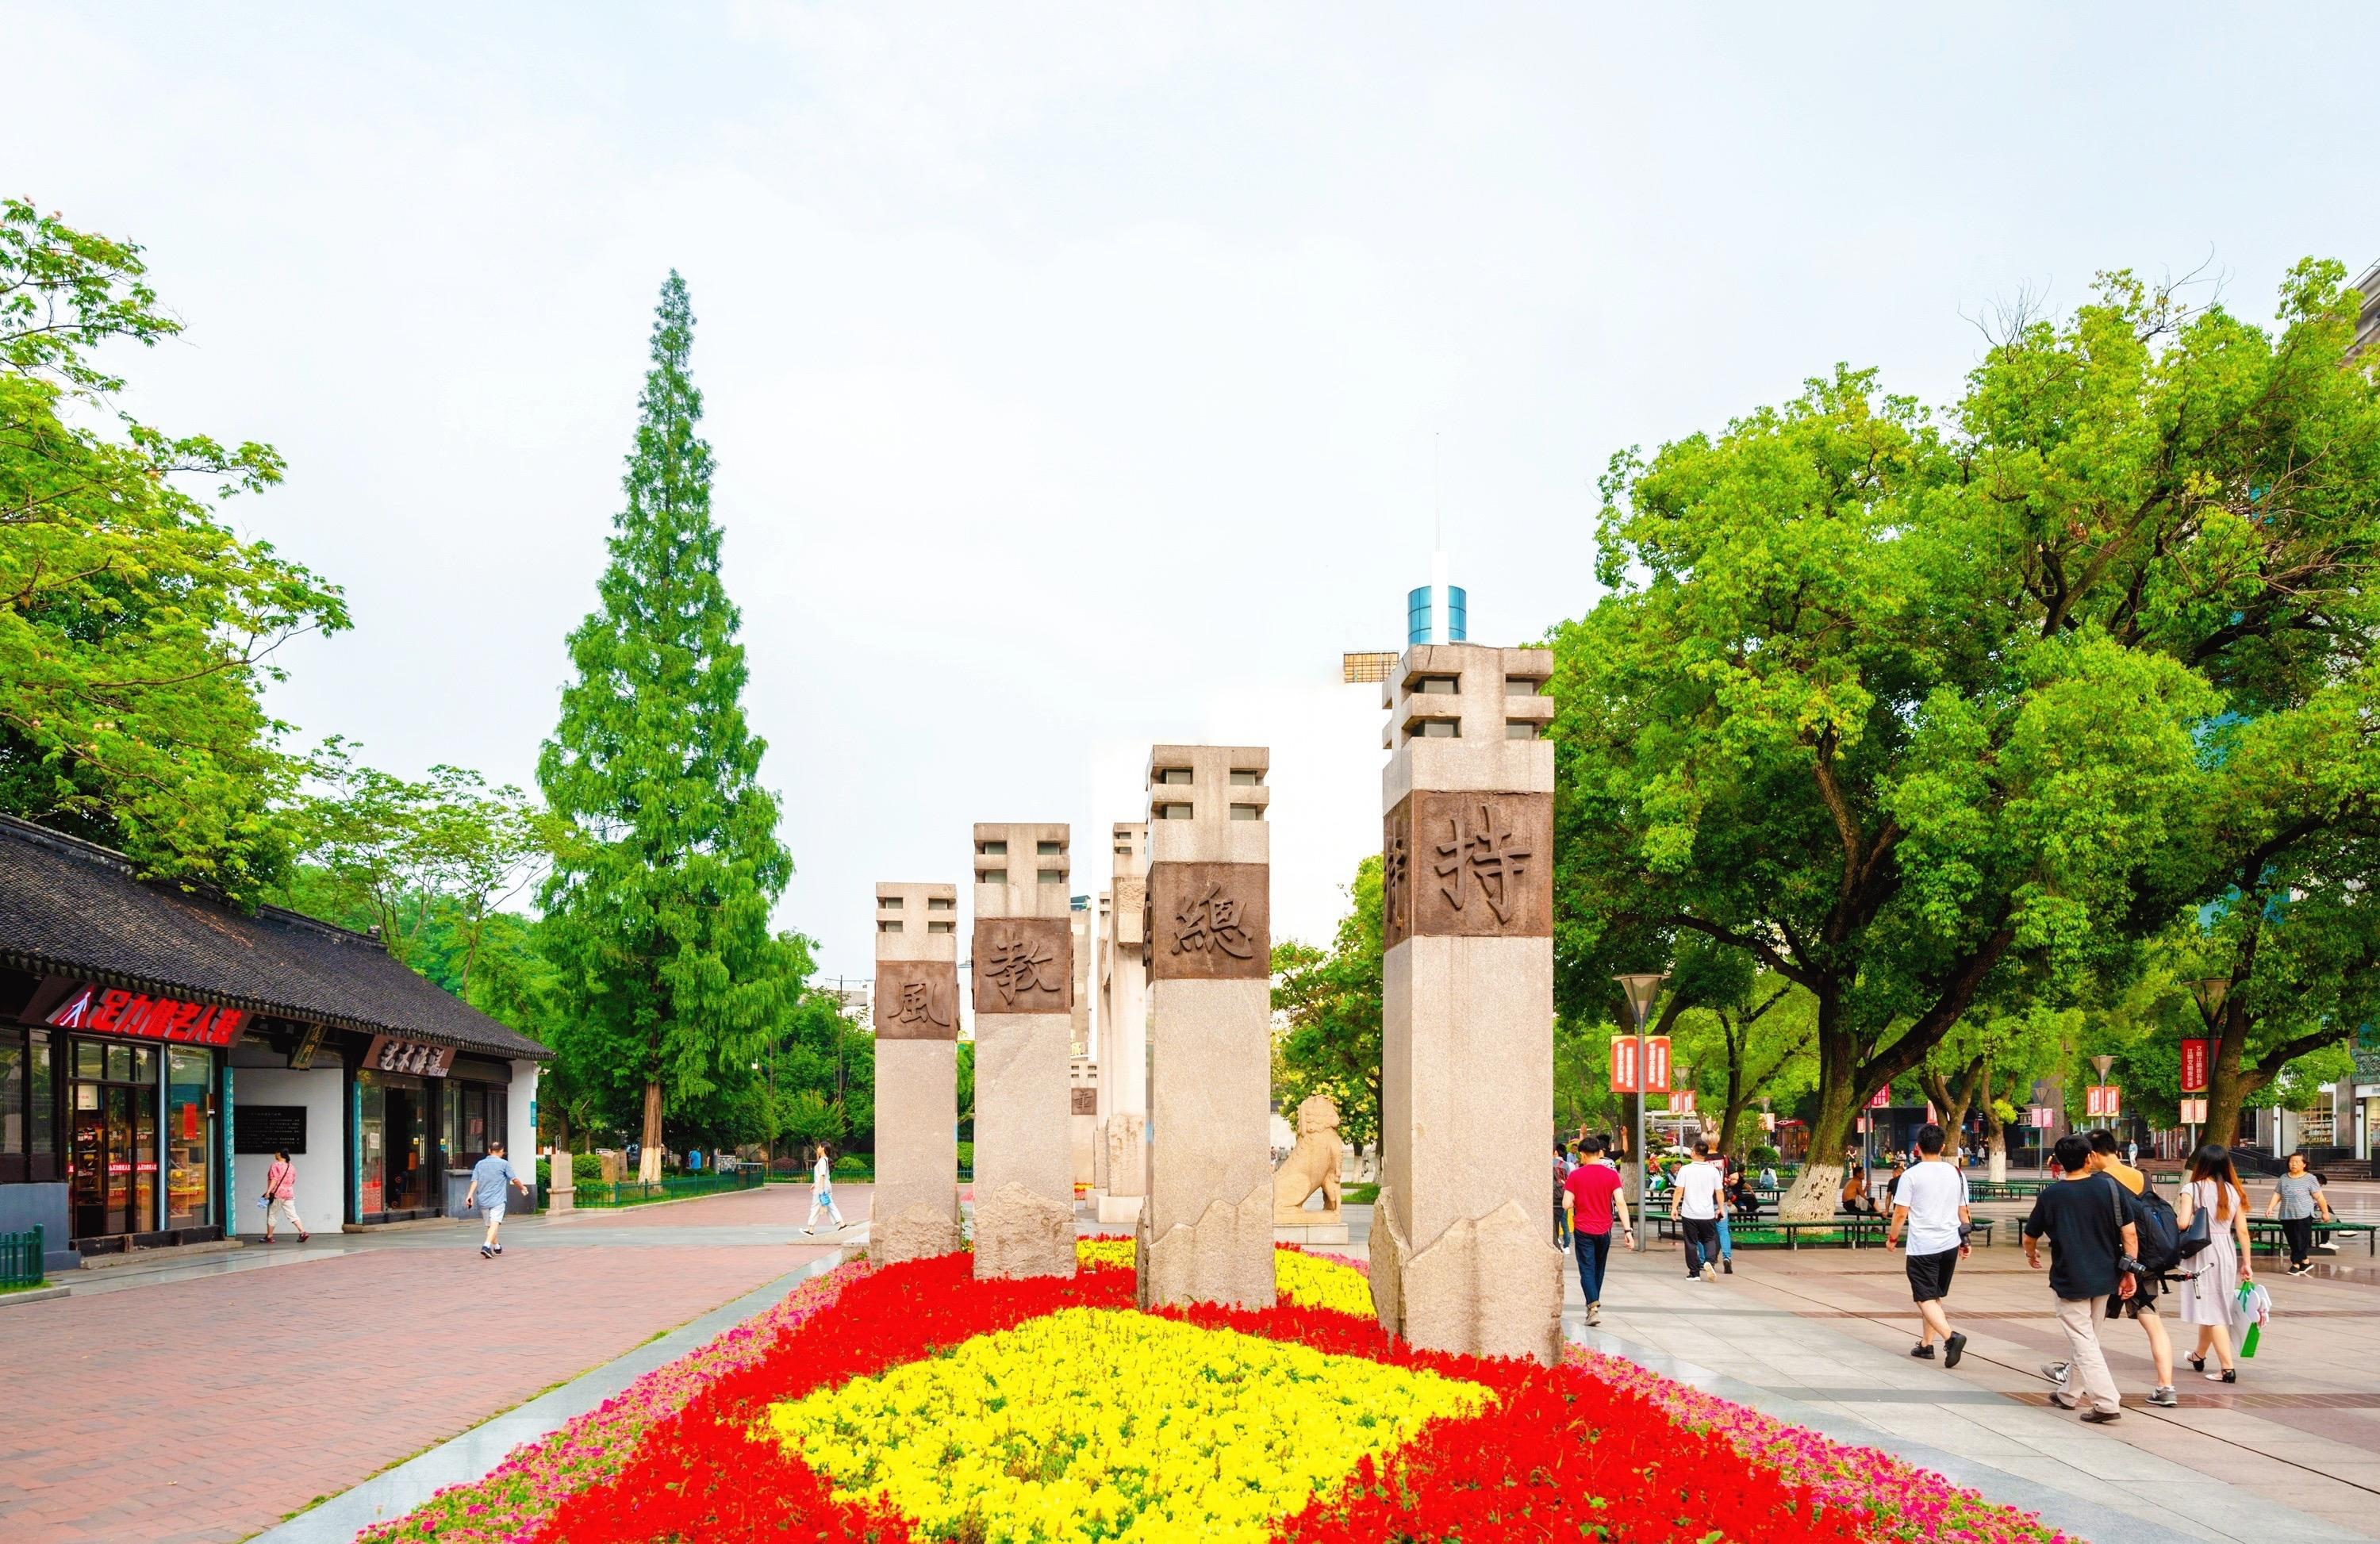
1087 376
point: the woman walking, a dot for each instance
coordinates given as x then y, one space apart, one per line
2297 1198
821 1190
2210 1296
281 1195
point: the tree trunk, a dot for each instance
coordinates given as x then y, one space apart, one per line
1818 1191
648 1162
2228 1082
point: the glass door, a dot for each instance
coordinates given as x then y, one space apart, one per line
189 1137
112 1139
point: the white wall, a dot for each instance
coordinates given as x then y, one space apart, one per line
322 1168
520 1124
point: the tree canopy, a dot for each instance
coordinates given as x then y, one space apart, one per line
1327 1009
1892 703
137 629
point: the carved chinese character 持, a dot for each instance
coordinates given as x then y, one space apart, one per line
1480 848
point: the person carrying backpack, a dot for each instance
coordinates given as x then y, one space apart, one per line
2159 1253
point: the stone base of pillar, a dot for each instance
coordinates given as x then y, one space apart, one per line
1225 1256
1311 1233
917 1233
1100 1155
1113 1209
1488 1286
1018 1233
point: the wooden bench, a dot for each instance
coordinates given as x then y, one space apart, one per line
1852 1231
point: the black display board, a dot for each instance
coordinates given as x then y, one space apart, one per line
268 1128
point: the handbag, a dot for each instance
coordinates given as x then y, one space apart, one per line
2201 1232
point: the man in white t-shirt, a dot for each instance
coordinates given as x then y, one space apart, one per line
1695 1204
1931 1203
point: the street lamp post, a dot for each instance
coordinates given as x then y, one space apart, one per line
1641 988
2210 993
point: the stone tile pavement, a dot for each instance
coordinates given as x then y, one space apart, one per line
2292 1452
206 1402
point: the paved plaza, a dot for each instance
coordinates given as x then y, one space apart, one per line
205 1399
2291 1452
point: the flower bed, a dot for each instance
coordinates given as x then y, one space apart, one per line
924 1405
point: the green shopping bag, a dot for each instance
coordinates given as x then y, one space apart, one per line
2251 1306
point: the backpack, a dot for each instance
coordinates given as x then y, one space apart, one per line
2161 1246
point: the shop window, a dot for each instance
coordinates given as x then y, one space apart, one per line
189 1137
496 1117
14 1130
369 1130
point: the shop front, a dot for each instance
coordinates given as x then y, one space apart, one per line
158 1049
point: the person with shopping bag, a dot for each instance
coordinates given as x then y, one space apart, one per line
822 1190
2212 1211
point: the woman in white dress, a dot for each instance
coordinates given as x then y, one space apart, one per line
821 1190
2210 1296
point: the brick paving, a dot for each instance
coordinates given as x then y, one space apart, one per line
208 1409
1831 1327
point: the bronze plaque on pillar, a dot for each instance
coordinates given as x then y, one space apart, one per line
1086 1102
1209 921
916 1000
1024 965
1467 866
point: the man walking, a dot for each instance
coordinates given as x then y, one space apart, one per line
1561 1211
1592 1195
2140 1307
2088 1219
1931 1203
492 1185
1694 1203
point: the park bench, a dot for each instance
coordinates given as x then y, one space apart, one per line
1769 1233
2265 1232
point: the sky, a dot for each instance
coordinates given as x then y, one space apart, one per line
1084 377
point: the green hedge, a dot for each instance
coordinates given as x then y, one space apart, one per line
639 1192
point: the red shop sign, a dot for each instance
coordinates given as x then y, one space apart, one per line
2193 1066
113 1010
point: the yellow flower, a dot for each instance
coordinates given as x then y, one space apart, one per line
1094 1424
1320 1281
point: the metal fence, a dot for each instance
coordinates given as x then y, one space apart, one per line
20 1259
632 1192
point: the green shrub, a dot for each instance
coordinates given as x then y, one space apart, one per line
966 1157
1359 1195
852 1166
1766 1158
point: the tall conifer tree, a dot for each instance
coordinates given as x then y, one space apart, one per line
660 896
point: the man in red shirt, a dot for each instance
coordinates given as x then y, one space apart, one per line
1592 1195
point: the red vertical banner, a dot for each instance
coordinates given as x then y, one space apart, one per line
1882 1098
1656 1065
1682 1102
2193 1066
2111 1102
1624 1063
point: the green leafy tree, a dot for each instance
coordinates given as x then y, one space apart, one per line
137 629
1744 1045
1890 704
1327 1007
667 863
420 861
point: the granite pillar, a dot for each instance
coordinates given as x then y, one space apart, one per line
1206 1230
1023 983
917 1015
1123 1032
1459 1256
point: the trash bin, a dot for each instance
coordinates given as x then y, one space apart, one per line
458 1191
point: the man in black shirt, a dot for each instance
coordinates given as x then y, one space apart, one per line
2088 1219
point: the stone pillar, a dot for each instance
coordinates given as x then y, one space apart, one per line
917 1015
1102 983
1082 1123
1023 982
561 1192
1206 1230
1123 1031
1459 1256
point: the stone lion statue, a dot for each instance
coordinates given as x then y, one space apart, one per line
1311 1165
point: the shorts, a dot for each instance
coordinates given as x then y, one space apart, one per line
2141 1305
1930 1276
494 1214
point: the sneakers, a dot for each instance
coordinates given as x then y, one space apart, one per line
1923 1351
500 1248
1594 1313
1729 1265
2055 1372
1953 1348
2100 1417
2305 1270
1710 1272
2164 1399
486 1253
